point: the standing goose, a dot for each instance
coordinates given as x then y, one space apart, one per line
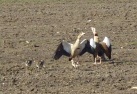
72 50
101 47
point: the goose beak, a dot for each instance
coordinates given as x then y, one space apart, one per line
83 33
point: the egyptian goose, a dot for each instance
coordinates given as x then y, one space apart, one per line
72 50
102 48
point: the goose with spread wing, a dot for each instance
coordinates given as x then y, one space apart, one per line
73 50
101 48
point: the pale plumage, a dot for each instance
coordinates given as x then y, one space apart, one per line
92 43
107 41
72 50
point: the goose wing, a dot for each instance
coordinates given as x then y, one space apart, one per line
83 47
91 46
107 41
106 46
63 48
92 43
87 46
67 47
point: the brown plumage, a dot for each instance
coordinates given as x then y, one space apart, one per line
102 48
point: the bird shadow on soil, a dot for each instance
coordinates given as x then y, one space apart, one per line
117 62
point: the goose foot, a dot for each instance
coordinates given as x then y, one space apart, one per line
99 63
95 63
78 64
75 65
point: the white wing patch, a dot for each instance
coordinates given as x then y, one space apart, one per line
82 44
107 41
67 46
92 43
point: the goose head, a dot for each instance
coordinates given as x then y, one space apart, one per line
96 38
80 35
93 30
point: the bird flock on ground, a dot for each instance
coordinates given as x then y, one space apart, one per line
93 46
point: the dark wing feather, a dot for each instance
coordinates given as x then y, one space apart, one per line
59 52
83 47
105 49
88 48
100 50
110 50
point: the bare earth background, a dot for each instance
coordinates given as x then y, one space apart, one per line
32 30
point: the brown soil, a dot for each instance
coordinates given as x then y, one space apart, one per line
33 30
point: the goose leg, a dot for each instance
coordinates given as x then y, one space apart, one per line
100 60
73 63
95 61
78 64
